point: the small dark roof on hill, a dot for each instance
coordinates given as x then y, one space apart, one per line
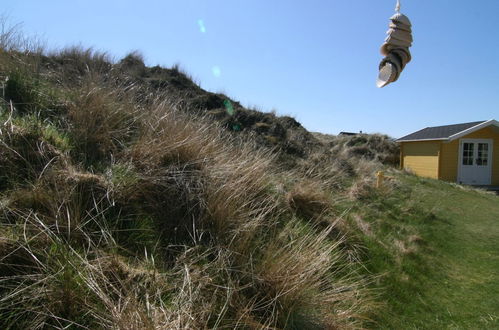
439 132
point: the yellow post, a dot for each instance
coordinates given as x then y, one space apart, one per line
380 178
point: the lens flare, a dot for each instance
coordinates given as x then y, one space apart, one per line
217 72
229 107
202 27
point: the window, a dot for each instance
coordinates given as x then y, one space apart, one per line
483 154
468 149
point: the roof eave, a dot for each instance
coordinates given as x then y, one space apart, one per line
419 140
474 129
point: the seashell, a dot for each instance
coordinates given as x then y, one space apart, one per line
384 49
396 42
400 26
395 60
403 53
398 61
386 75
396 76
400 35
398 17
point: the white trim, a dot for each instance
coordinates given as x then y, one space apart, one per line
473 129
439 139
490 157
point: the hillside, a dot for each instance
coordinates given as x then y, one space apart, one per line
131 198
433 245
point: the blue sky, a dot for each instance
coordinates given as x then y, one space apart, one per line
314 60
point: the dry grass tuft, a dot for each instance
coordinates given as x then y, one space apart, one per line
364 226
362 188
102 123
405 248
78 62
309 201
295 272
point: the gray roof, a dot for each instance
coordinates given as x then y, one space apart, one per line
439 132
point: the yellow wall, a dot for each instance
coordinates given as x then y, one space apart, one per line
449 161
421 157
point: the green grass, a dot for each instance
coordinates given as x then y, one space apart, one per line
435 248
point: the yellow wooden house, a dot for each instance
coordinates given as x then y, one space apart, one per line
464 153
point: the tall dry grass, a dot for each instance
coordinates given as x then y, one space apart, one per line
118 214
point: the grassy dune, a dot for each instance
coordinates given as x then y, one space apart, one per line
122 206
130 198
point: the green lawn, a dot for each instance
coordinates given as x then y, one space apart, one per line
436 247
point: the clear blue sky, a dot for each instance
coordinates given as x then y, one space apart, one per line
314 60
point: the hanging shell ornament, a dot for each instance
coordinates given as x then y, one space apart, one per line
395 49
